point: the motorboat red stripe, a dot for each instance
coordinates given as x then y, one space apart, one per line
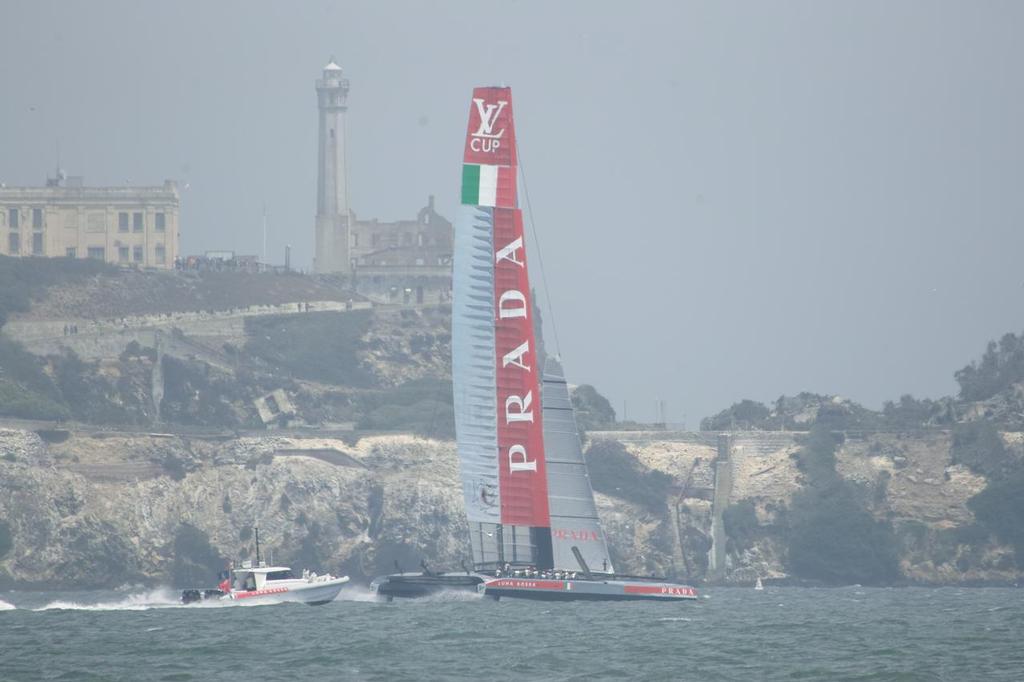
258 593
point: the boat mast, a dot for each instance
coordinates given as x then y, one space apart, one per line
257 528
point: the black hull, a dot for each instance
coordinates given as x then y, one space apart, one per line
418 585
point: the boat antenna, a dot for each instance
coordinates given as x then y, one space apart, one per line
257 528
540 256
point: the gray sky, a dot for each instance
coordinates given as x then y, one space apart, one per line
734 199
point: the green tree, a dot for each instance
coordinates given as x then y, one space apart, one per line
614 471
1000 367
593 411
833 538
979 446
6 539
744 416
1000 509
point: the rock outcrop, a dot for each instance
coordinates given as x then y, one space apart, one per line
106 509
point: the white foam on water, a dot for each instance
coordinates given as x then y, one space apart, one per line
160 598
365 594
675 620
4 606
357 593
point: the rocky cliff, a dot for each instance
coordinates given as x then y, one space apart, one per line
105 509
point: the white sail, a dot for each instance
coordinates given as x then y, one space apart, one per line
574 521
473 369
495 373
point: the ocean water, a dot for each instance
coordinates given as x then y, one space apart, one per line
730 634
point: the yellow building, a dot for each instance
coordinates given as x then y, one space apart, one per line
123 225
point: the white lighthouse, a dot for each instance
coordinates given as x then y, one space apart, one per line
333 217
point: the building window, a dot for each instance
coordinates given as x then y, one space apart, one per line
71 252
136 222
122 222
137 254
122 254
355 239
161 255
12 219
97 252
37 218
37 243
161 223
14 243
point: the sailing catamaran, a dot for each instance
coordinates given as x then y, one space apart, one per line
534 530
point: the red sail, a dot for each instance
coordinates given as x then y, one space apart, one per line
489 180
522 471
491 136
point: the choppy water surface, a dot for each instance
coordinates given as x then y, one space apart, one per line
732 634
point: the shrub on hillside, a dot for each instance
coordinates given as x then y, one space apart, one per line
6 539
26 391
832 537
741 526
423 406
16 401
614 471
25 279
194 393
88 395
593 411
910 413
1000 367
1000 509
745 415
979 446
196 561
316 346
835 540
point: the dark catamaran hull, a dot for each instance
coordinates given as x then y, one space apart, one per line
418 585
587 590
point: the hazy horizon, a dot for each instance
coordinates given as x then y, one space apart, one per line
734 200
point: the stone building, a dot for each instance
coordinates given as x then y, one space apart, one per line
423 242
123 225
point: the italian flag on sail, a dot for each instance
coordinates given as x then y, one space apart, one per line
484 185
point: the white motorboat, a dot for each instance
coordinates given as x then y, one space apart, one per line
271 584
257 583
262 584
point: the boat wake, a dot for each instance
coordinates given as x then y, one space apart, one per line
357 593
160 598
4 606
452 595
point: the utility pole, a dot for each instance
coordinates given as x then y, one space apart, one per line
264 233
